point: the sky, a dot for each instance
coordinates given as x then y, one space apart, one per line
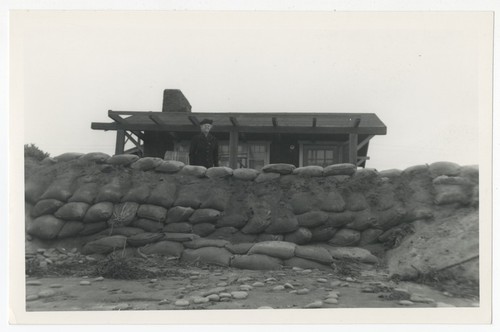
426 75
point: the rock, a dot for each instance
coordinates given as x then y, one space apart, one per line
246 288
405 302
164 301
85 283
46 293
32 297
122 306
181 303
99 279
302 291
221 284
444 305
278 288
331 300
213 291
55 286
288 285
33 283
367 290
333 295
213 297
265 307
239 295
421 299
258 284
225 295
321 280
315 304
199 299
335 283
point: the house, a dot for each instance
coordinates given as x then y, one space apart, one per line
247 139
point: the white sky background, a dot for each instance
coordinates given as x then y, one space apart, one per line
417 71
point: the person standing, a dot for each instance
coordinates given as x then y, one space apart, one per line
204 148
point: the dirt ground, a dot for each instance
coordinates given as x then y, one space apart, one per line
209 287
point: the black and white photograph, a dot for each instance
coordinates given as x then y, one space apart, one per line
265 164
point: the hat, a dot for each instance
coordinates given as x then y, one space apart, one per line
205 121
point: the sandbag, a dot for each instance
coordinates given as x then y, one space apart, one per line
365 174
269 237
70 229
46 206
419 213
451 180
203 229
370 236
260 219
45 227
338 220
122 159
97 157
217 199
99 212
470 172
333 202
278 168
282 221
384 199
322 233
266 177
302 202
190 196
240 237
93 228
449 194
204 216
169 166
200 243
390 218
245 174
339 169
86 193
207 255
222 233
192 170
314 253
112 192
72 211
164 248
141 239
232 220
308 171
279 249
146 163
358 254
153 212
312 219
345 237
218 172
178 227
125 231
239 248
123 214
256 262
33 190
306 264
163 194
68 156
61 189
148 225
416 170
105 245
178 214
362 220
300 236
391 174
138 194
356 201
444 168
180 237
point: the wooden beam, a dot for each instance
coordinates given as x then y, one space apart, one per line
115 116
233 148
138 134
275 122
241 129
353 149
314 122
357 121
163 125
362 160
120 141
194 120
365 141
130 137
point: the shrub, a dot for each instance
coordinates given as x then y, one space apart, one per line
33 151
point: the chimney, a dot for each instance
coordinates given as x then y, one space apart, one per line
174 101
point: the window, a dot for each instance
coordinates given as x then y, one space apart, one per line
322 154
250 154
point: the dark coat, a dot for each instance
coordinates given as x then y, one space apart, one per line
204 151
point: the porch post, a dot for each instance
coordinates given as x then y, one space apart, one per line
120 141
233 148
353 148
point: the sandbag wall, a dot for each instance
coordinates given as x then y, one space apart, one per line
305 217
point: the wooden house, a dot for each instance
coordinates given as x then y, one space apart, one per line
247 139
